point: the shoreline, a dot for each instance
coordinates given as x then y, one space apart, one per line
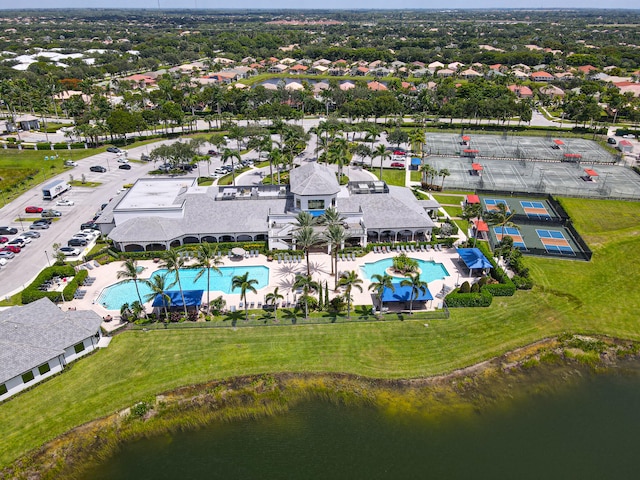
548 363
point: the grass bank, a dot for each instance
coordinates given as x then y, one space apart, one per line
595 297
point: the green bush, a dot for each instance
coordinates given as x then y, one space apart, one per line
500 289
31 293
465 288
70 290
522 283
458 300
475 288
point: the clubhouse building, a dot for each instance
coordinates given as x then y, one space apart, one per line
160 213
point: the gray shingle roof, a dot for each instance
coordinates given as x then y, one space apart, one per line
35 333
313 179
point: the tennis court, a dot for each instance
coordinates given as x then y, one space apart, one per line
554 241
514 233
534 209
491 204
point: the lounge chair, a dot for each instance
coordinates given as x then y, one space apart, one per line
413 248
233 308
259 305
241 305
279 259
252 305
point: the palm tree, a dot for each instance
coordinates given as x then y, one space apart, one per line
305 219
130 272
350 280
336 235
173 262
208 260
304 239
245 284
443 173
337 153
331 217
382 152
308 285
501 217
470 212
227 154
275 156
417 287
273 298
158 286
379 283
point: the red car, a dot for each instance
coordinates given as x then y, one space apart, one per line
399 152
397 165
10 248
4 239
33 209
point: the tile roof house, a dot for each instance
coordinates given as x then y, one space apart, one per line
38 340
521 91
376 86
541 76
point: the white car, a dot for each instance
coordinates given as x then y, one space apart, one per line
69 251
3 262
70 163
123 159
65 202
90 232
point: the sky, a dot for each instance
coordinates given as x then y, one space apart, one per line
325 4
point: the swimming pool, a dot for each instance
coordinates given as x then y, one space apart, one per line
430 270
114 296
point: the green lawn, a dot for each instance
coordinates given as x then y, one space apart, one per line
453 211
392 176
595 297
444 199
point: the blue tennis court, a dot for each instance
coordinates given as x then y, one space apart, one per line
514 233
554 241
492 204
535 209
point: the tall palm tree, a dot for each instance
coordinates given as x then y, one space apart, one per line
417 287
308 285
208 260
158 286
444 173
275 156
335 235
305 238
228 154
337 153
379 283
470 212
382 152
173 262
350 280
245 284
331 216
130 272
501 217
305 219
273 298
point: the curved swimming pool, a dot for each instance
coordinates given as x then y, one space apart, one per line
430 270
114 296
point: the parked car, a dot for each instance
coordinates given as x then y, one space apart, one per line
39 226
397 165
11 248
4 239
17 242
8 231
43 220
122 159
69 251
65 202
97 168
124 166
611 141
51 213
89 226
399 152
20 238
77 242
7 254
145 158
91 232
70 163
113 150
32 209
3 261
30 234
212 153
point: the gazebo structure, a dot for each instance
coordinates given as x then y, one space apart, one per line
474 259
590 175
403 294
476 169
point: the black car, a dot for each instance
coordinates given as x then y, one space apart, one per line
89 225
611 141
145 158
124 166
77 242
8 231
97 168
43 220
113 150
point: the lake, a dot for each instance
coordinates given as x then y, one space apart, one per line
581 429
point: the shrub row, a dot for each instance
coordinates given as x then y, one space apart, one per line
458 300
500 289
70 290
31 293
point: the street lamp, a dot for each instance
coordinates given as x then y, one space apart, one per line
48 261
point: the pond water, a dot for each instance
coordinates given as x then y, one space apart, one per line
586 430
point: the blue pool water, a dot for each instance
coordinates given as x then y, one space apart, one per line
114 296
430 271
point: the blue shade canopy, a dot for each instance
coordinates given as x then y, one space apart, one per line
403 294
473 258
192 298
415 161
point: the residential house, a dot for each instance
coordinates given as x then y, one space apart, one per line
470 73
552 91
377 86
141 81
22 122
318 69
277 68
521 91
541 76
445 72
38 340
435 66
587 69
520 75
298 69
360 71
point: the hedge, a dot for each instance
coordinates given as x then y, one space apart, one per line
70 290
31 293
458 300
500 289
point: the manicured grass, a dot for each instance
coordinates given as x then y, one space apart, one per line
453 211
80 183
392 176
444 199
595 297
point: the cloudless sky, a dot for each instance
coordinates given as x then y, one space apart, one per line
324 4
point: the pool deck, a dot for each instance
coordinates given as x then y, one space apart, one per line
281 275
